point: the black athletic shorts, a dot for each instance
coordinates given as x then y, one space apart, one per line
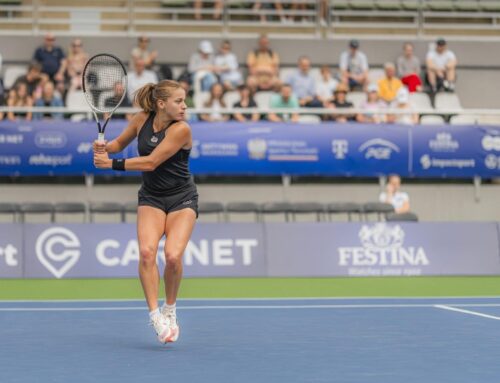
181 200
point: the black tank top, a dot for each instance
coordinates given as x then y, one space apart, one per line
171 176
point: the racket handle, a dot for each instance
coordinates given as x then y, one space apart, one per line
100 137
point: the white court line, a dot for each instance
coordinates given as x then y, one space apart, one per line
244 307
444 307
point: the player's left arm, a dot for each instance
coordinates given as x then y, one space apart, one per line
178 136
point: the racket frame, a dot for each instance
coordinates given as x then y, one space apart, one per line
93 108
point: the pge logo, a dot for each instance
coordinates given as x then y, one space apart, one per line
50 140
9 253
425 161
84 147
379 149
491 143
58 249
340 148
257 148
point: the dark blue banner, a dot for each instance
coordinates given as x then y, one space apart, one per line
358 150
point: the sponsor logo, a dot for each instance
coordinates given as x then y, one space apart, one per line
492 162
340 148
218 149
187 202
10 160
50 140
11 139
58 249
84 147
382 252
491 143
195 149
379 149
444 142
44 160
154 139
257 148
9 253
428 162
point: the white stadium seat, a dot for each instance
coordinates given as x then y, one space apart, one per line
200 98
421 100
464 119
262 99
357 98
447 101
12 72
432 120
231 98
309 119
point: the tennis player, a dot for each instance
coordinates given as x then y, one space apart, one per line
168 199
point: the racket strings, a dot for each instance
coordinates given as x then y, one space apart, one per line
103 74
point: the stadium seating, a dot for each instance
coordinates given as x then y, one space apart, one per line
105 211
9 210
348 209
308 208
283 209
401 217
69 209
432 120
211 208
43 211
242 208
380 209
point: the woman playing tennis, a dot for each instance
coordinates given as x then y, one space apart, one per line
168 199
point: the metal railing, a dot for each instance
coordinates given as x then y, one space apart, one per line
306 18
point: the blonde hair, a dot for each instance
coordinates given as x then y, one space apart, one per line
147 96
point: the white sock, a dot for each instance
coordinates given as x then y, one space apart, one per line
154 313
169 307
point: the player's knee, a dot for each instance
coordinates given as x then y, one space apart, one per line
147 255
173 259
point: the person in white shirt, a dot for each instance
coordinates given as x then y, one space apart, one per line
400 200
441 65
139 77
326 85
354 67
226 65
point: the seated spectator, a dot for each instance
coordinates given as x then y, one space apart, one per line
354 67
398 199
216 104
19 97
184 83
141 51
246 101
409 69
53 61
198 5
326 86
34 79
263 67
48 99
389 85
111 101
303 84
340 102
201 66
371 105
402 102
284 99
226 65
441 64
139 77
77 58
258 5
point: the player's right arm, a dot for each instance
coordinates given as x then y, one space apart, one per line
126 136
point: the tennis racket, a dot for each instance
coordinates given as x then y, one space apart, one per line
100 75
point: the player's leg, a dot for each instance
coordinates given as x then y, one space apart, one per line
178 229
150 224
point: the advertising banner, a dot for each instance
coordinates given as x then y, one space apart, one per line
11 250
112 250
382 249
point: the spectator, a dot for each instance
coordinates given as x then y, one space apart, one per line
48 99
267 5
263 67
111 101
77 58
139 77
246 101
198 5
201 66
19 97
216 104
284 99
141 51
303 84
34 79
402 102
371 105
409 69
354 67
226 65
441 64
389 85
340 102
326 86
398 199
189 99
53 61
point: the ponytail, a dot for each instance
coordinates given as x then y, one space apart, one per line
144 97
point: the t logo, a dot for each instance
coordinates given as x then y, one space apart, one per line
9 252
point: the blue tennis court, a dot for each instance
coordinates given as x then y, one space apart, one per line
291 340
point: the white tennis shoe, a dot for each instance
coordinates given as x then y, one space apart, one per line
171 316
161 325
